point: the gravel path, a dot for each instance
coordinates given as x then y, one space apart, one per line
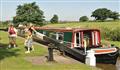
40 60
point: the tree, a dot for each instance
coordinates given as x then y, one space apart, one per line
29 13
114 15
101 14
83 18
54 19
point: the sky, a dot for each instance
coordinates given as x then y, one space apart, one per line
67 10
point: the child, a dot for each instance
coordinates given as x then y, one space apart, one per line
29 41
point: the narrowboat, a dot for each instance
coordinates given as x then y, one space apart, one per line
76 41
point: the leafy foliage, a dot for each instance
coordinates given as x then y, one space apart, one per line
114 15
113 34
29 13
83 18
101 14
54 19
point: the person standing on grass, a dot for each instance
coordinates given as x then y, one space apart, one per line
12 36
29 41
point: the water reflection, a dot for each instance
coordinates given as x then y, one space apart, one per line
110 66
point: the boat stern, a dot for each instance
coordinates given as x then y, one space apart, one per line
107 55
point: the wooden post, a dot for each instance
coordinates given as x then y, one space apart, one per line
50 52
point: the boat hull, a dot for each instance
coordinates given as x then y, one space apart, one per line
109 58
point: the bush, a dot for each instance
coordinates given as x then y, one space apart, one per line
113 34
83 18
54 19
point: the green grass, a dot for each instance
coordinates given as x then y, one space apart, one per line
98 25
3 26
116 43
14 59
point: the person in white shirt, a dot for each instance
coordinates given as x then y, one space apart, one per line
29 41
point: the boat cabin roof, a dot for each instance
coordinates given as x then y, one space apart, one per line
65 29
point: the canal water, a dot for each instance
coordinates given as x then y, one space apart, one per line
110 66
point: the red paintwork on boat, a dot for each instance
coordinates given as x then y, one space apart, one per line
104 50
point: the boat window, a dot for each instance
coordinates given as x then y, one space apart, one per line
78 39
52 35
87 37
44 33
56 35
59 36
